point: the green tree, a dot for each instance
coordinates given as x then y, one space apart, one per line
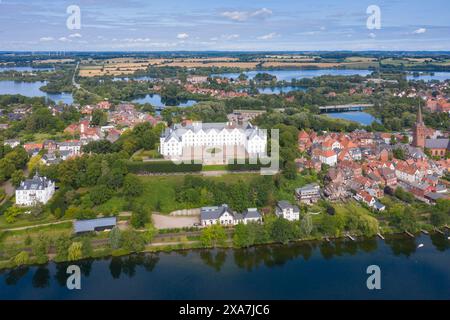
132 186
75 251
17 177
21 258
86 247
282 231
132 241
213 236
11 214
62 245
242 237
115 238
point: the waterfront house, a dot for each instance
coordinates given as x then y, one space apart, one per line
308 194
287 211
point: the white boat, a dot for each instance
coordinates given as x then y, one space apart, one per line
420 245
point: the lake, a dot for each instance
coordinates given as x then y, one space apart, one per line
278 90
440 76
156 100
31 89
363 118
305 270
25 69
288 75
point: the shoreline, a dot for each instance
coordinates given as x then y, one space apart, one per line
179 246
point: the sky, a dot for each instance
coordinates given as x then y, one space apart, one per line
230 25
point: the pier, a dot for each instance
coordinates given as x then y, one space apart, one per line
350 237
439 231
380 235
409 233
425 231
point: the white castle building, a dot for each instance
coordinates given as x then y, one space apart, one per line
175 141
33 191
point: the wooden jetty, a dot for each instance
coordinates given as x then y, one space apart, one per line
437 230
350 237
380 235
424 231
409 233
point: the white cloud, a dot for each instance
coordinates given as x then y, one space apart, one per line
268 36
230 36
75 35
246 15
137 40
64 39
182 36
46 39
420 30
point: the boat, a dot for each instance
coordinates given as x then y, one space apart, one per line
420 245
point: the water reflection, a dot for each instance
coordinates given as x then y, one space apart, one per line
127 265
247 259
41 278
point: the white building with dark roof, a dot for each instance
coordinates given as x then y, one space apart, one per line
176 139
225 216
34 191
287 211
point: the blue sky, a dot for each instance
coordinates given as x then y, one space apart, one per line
153 25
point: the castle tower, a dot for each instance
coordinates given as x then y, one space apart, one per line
419 131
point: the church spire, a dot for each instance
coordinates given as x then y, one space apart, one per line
419 115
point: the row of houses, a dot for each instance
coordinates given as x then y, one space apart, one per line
224 215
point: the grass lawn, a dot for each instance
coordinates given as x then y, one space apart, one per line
19 236
25 220
217 167
351 207
160 191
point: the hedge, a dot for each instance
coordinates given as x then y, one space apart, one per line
161 166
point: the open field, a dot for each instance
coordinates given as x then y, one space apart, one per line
127 66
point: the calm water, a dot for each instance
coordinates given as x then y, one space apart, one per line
288 75
298 271
278 90
25 69
357 116
441 76
156 100
31 89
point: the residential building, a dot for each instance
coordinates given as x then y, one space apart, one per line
35 190
308 194
287 211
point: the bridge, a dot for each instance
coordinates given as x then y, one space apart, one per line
345 107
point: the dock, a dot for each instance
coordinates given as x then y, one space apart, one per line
424 231
409 233
380 235
350 237
439 231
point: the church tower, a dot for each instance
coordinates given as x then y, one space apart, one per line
419 131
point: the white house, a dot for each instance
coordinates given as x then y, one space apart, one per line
328 157
74 147
225 216
287 211
408 173
198 134
12 143
34 191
